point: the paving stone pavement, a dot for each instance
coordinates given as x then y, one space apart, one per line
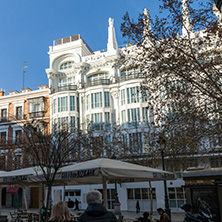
129 216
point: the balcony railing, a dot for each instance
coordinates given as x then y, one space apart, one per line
98 82
3 119
131 76
64 88
36 114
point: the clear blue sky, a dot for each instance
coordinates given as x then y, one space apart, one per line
28 27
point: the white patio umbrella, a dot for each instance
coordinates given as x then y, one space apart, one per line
101 170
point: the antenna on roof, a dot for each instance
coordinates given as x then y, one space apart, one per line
23 72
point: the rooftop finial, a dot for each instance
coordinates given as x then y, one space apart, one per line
112 43
187 26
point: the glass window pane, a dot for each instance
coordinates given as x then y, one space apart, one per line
173 203
130 194
144 193
171 193
180 194
137 193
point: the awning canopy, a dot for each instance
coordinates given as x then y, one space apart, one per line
92 172
12 190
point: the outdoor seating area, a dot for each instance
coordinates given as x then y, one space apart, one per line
24 216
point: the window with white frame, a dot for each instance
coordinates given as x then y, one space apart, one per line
135 141
54 105
145 114
87 102
63 104
97 76
4 114
133 95
67 81
63 123
96 117
123 114
36 105
123 98
141 193
106 99
66 65
73 124
107 117
176 197
96 100
133 115
72 103
18 112
130 72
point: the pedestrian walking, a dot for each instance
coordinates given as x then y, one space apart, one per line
137 206
76 204
70 205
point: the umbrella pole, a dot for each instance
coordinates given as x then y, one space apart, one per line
105 193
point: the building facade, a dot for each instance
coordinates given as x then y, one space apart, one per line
92 89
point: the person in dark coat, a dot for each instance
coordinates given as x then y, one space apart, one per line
76 204
95 211
145 217
60 212
137 206
70 205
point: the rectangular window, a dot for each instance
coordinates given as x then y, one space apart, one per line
3 114
63 104
176 196
96 100
145 114
96 117
123 114
140 193
107 117
72 103
18 136
133 95
123 100
19 112
134 115
144 95
73 124
36 107
3 137
87 102
135 140
54 105
107 99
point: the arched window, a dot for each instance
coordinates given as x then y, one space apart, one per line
66 65
97 76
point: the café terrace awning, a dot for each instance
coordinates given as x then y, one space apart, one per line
92 172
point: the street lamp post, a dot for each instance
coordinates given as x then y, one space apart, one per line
162 143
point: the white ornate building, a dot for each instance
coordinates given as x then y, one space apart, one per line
87 86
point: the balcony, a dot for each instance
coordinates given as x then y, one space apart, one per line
3 119
98 82
64 88
131 76
36 114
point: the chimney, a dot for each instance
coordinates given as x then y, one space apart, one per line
2 93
